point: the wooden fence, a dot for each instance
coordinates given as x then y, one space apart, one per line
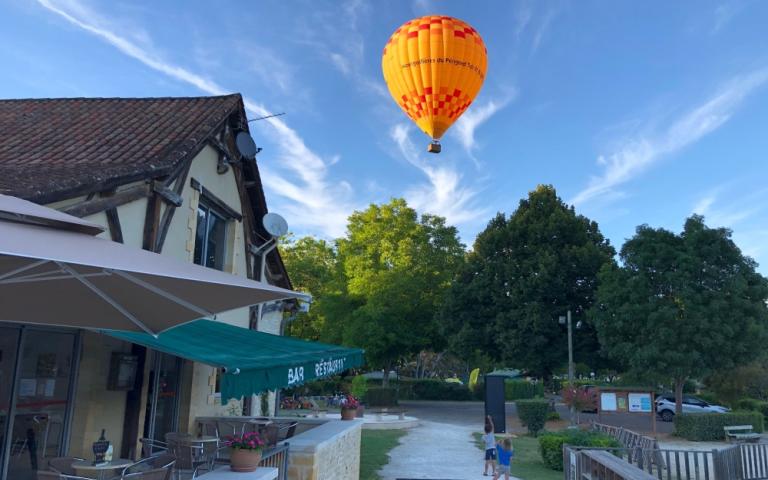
664 464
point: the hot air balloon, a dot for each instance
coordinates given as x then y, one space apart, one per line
434 67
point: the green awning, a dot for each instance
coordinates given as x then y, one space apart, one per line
254 361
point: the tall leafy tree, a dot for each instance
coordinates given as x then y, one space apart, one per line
682 306
524 272
313 268
396 267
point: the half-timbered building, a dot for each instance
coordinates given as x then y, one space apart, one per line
162 174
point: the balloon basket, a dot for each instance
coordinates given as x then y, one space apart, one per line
434 147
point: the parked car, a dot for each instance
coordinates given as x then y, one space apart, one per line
665 406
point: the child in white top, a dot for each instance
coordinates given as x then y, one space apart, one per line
490 447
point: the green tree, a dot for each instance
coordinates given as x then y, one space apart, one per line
524 272
682 306
312 266
396 268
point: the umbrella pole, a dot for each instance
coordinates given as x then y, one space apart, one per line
162 293
106 298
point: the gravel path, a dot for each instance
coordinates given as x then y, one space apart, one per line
436 451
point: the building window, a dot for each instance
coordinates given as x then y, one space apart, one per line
210 238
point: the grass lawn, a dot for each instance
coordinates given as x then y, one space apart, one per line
374 447
527 463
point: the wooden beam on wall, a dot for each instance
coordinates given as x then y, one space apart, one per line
165 222
151 223
170 196
96 205
113 221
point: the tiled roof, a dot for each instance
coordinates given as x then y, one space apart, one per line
51 148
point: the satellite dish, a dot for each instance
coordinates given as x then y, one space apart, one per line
275 225
245 145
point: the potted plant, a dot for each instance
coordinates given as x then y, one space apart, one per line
349 406
359 388
245 451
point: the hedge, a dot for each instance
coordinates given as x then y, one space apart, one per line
533 414
753 404
381 397
433 389
703 427
522 389
551 444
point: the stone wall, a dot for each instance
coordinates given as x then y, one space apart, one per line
330 451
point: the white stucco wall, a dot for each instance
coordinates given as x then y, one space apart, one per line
98 407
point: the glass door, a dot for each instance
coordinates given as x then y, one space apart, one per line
9 344
163 400
41 400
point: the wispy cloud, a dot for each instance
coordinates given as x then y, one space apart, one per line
637 153
443 195
337 37
311 199
542 29
522 18
732 210
424 7
724 13
464 128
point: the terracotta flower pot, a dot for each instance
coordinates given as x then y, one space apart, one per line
242 460
348 413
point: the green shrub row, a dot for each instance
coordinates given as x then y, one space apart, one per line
551 444
522 389
703 427
752 405
533 414
381 397
433 389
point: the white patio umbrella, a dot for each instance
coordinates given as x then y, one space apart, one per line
54 272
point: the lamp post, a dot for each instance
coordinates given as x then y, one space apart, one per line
567 320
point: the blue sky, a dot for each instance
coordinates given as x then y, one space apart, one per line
637 112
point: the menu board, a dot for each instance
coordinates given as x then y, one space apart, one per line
640 402
608 402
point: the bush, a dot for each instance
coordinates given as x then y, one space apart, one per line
710 398
521 389
440 390
433 389
749 404
381 397
553 416
703 427
359 386
533 414
551 444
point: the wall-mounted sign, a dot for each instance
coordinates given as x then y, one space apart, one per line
123 368
608 402
640 402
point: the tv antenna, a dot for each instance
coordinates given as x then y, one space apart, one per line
266 117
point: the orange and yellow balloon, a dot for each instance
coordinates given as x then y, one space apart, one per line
434 67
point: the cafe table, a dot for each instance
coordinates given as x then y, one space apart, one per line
225 473
102 469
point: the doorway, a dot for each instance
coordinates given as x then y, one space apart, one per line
162 409
37 370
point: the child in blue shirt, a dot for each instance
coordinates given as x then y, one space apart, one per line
504 454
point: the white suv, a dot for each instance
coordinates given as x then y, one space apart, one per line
665 407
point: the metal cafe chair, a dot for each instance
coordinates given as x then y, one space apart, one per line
151 447
51 475
191 457
151 467
63 464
